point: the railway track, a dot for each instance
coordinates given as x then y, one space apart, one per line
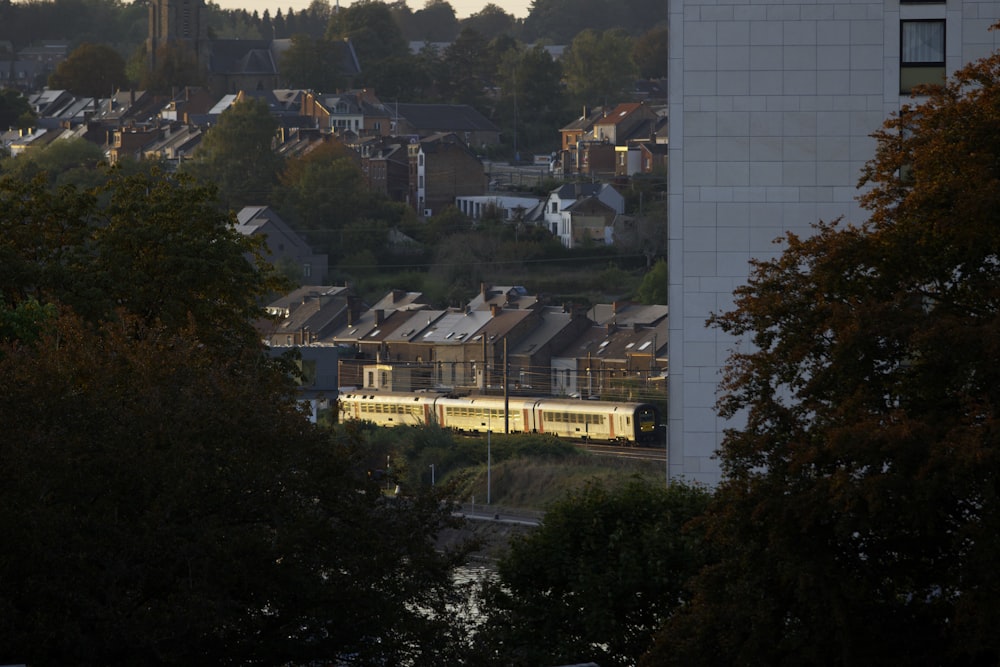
643 453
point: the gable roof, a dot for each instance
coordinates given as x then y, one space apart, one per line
451 117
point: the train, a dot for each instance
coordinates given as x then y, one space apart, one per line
635 424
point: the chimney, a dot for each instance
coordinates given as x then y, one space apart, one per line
611 327
397 295
379 316
495 309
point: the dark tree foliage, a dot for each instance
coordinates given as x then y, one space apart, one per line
153 247
595 581
860 511
373 31
435 22
491 22
91 70
650 53
559 21
166 501
15 111
168 506
237 154
312 63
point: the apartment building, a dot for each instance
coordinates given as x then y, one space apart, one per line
771 107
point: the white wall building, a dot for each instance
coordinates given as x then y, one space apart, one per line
771 106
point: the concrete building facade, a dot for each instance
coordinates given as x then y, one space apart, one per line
771 106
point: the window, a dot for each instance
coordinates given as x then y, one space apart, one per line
921 54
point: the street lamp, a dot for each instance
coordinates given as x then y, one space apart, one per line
432 474
666 451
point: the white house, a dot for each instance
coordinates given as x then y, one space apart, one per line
558 216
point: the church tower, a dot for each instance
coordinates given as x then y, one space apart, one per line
173 23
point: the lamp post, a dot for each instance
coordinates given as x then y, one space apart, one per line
489 461
432 474
666 451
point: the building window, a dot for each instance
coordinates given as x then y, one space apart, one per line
307 270
921 54
555 207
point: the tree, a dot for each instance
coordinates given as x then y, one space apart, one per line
651 54
15 112
144 244
237 154
170 502
596 579
531 101
171 506
490 22
313 63
469 68
598 66
436 22
653 289
63 162
859 516
372 30
91 70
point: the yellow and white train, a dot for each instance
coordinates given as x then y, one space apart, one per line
626 423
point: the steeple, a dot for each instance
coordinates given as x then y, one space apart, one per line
173 23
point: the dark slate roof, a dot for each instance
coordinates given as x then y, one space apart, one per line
452 117
241 56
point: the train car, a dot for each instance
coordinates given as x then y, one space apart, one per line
632 423
387 408
629 423
479 414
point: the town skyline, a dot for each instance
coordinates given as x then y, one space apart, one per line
463 8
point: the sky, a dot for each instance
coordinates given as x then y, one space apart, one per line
463 8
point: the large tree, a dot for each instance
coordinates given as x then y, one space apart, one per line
860 513
531 98
237 154
313 63
166 501
595 581
598 67
92 70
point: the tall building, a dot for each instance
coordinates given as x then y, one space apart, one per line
771 106
173 23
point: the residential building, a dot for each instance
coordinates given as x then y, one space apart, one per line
283 247
771 110
424 120
442 168
559 209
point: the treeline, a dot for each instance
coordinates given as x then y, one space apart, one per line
125 24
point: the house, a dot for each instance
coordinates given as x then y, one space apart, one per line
509 208
386 166
307 315
176 144
424 120
612 361
356 111
771 125
558 215
442 168
504 339
283 247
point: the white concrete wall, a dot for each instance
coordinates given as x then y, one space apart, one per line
771 105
